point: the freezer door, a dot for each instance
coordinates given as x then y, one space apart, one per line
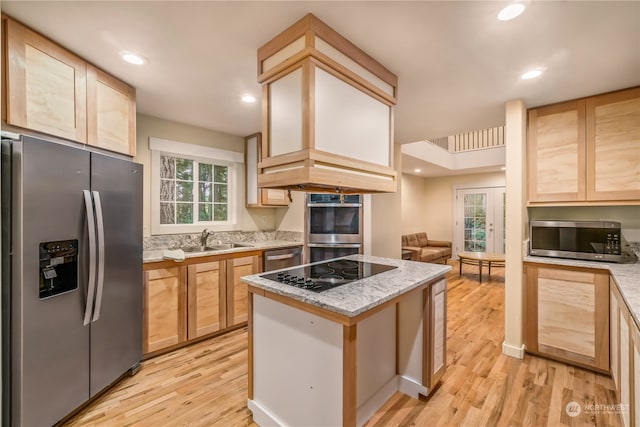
49 344
116 330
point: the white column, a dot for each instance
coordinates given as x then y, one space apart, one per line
516 226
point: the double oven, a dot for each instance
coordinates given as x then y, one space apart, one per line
333 225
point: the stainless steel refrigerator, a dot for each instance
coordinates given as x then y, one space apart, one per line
71 277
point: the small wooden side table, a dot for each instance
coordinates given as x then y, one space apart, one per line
479 258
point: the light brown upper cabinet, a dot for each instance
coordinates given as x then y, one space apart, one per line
613 146
46 85
259 197
327 113
586 151
111 112
51 90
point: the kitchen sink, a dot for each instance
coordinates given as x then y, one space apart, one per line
199 249
220 247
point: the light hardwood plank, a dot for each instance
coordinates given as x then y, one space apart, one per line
205 384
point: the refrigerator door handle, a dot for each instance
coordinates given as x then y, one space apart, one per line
91 285
100 233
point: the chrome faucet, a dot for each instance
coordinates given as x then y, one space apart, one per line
203 237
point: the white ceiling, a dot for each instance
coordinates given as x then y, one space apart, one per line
456 63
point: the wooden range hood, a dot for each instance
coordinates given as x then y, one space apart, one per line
327 113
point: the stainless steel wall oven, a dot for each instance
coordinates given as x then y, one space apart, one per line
333 225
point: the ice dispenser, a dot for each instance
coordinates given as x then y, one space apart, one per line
58 267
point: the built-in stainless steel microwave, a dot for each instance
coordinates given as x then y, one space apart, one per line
589 240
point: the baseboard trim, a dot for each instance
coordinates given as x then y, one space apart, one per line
261 416
513 351
375 402
411 387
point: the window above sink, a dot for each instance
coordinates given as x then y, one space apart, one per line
193 187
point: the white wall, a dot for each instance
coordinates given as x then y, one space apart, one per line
383 219
413 204
291 218
436 208
149 126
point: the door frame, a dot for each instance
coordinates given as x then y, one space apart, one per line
457 237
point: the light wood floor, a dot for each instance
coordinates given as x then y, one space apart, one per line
206 384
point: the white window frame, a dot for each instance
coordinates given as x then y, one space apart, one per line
232 159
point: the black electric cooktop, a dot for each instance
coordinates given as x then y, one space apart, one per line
327 275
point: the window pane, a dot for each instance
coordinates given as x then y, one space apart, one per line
167 190
167 213
221 173
184 213
219 212
167 167
184 191
205 192
221 193
184 169
204 212
205 172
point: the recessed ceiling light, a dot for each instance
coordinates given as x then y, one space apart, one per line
417 170
532 74
248 98
133 58
512 11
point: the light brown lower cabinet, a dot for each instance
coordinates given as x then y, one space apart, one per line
437 333
164 308
206 295
567 314
625 358
193 299
237 307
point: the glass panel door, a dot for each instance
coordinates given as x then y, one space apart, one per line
480 220
475 222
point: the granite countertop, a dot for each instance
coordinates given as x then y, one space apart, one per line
627 276
157 255
362 295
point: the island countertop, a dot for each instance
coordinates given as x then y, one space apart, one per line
362 295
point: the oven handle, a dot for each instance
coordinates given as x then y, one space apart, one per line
334 245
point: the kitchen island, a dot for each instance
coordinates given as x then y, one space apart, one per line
335 357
